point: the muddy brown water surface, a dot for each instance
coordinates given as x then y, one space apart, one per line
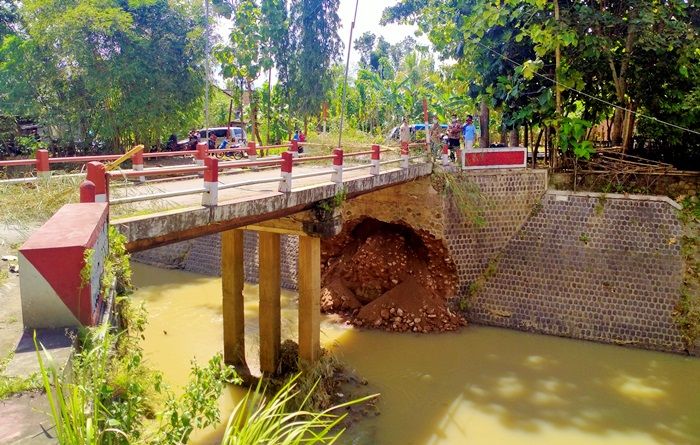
479 385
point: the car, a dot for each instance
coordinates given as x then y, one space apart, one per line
238 136
394 133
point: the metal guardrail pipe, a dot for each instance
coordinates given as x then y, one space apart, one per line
311 175
81 159
17 162
249 182
169 154
356 167
243 164
152 196
156 172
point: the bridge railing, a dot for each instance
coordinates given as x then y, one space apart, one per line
96 185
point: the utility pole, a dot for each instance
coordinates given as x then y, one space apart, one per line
557 90
345 84
207 50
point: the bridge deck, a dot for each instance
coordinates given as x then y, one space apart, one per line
245 205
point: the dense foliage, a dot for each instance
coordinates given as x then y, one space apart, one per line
638 55
102 73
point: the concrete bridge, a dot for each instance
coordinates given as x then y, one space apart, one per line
257 200
263 211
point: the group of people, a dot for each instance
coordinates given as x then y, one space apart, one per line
456 132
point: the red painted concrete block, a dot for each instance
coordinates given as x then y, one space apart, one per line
506 157
51 261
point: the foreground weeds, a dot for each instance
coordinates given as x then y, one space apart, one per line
281 419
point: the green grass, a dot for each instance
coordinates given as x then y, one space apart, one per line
262 419
36 202
15 385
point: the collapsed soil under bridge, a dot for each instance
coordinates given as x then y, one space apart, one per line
389 276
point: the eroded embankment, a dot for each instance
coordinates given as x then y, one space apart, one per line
389 276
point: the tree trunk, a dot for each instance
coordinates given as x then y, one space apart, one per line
269 101
535 148
546 144
514 137
484 124
526 135
629 128
617 127
504 135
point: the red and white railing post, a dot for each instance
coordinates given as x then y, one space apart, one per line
374 169
337 175
404 154
87 191
202 152
294 148
286 168
252 151
137 163
211 182
445 155
97 174
42 164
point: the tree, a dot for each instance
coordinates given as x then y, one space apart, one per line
242 57
316 45
275 40
110 71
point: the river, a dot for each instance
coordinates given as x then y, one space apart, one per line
478 386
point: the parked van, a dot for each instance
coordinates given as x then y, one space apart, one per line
238 136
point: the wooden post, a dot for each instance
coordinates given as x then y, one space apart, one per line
270 312
309 298
232 281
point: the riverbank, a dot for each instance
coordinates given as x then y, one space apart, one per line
479 386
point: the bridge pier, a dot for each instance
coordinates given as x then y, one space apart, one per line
269 295
309 285
309 298
232 282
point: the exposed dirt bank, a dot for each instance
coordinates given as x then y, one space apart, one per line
388 276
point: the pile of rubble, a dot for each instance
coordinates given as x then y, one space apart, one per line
387 276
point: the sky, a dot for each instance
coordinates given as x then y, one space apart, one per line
369 13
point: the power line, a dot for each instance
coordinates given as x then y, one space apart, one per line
638 114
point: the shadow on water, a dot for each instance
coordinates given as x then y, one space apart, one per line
478 386
488 385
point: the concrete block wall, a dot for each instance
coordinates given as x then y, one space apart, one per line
502 200
589 266
203 255
593 267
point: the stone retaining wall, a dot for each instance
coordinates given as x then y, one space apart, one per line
584 265
590 266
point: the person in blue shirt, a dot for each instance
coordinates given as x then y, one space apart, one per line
469 133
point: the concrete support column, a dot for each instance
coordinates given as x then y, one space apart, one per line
337 175
445 155
309 298
286 172
202 152
376 150
43 170
137 163
404 155
232 281
270 312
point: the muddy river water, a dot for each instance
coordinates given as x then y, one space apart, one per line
478 386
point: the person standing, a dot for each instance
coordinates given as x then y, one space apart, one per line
404 132
454 132
469 134
435 137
